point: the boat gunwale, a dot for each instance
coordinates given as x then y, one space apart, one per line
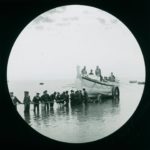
93 80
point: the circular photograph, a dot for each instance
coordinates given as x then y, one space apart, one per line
76 74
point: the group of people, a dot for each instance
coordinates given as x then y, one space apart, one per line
75 97
98 74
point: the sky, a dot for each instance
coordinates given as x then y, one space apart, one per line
53 44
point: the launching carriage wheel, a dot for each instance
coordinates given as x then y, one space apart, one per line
115 92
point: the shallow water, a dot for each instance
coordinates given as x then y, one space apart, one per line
84 123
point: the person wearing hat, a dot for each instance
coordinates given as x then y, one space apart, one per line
98 73
72 97
91 72
52 98
66 98
112 77
26 102
14 99
45 98
36 100
85 96
83 71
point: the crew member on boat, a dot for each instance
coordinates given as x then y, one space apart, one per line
98 72
72 97
91 75
83 71
91 72
14 99
112 77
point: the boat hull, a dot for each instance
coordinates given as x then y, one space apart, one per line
95 87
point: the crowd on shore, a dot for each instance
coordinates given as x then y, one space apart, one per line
48 100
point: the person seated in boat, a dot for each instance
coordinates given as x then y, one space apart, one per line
98 73
105 79
83 71
91 72
91 75
112 77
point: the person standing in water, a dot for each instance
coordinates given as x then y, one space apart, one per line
36 100
85 96
72 97
14 99
45 98
26 102
52 98
66 98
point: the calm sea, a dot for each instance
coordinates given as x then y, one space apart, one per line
78 124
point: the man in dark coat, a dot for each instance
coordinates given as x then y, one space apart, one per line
62 98
36 100
80 96
14 99
26 102
58 98
85 96
66 98
45 98
72 97
52 98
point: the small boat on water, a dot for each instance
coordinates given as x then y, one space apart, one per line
133 81
141 82
94 86
41 83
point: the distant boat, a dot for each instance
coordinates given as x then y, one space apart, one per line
41 83
141 82
133 81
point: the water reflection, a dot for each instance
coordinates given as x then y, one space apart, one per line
81 112
115 102
27 117
36 115
64 121
52 111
